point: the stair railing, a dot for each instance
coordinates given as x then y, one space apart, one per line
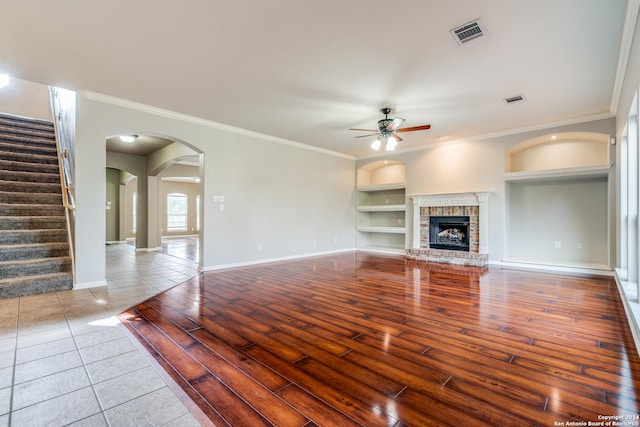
63 108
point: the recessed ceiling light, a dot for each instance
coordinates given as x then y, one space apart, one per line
4 80
128 138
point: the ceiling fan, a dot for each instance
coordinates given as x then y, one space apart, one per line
388 131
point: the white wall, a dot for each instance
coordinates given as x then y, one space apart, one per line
280 199
567 212
27 99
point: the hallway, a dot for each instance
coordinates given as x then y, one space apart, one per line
64 358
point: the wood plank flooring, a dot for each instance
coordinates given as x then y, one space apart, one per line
360 339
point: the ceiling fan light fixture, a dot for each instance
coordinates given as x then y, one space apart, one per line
128 138
396 122
4 80
376 144
391 143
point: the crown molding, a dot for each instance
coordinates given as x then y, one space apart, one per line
107 99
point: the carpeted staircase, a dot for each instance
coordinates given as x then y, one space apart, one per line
34 248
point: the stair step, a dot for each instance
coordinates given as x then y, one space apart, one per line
34 142
31 285
27 166
25 122
15 209
31 187
23 237
33 251
8 147
41 159
32 222
30 197
33 267
29 177
26 131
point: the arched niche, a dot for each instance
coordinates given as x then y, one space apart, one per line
568 150
381 172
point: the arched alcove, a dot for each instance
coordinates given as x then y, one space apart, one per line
381 172
559 151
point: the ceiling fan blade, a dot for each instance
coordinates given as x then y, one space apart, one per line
396 136
367 136
364 130
411 129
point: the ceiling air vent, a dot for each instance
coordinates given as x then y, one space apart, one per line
514 99
467 32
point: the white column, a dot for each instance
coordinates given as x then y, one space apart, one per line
416 223
483 212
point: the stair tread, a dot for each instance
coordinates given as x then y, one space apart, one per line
35 245
35 261
31 278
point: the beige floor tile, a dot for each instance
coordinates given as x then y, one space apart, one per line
106 350
58 411
5 400
127 387
43 367
41 351
112 367
48 335
99 336
154 409
45 388
97 420
6 377
7 358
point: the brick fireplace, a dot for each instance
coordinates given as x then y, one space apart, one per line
469 210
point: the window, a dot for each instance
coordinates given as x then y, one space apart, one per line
176 212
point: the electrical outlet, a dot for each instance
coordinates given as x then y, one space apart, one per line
558 244
580 245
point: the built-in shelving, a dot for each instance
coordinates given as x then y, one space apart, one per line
596 171
381 207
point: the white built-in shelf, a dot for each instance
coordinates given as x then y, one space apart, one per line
382 187
598 171
381 229
382 208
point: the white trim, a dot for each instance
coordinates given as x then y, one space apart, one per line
94 96
629 306
159 248
508 132
597 270
628 31
87 285
267 260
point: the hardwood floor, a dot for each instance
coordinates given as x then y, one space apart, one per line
360 339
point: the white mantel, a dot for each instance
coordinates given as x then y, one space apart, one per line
480 199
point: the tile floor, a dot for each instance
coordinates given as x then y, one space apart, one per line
66 360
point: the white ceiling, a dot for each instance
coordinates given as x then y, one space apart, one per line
306 71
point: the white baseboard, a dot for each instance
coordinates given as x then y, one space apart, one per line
591 270
267 260
87 285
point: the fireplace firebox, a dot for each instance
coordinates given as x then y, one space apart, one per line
449 232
